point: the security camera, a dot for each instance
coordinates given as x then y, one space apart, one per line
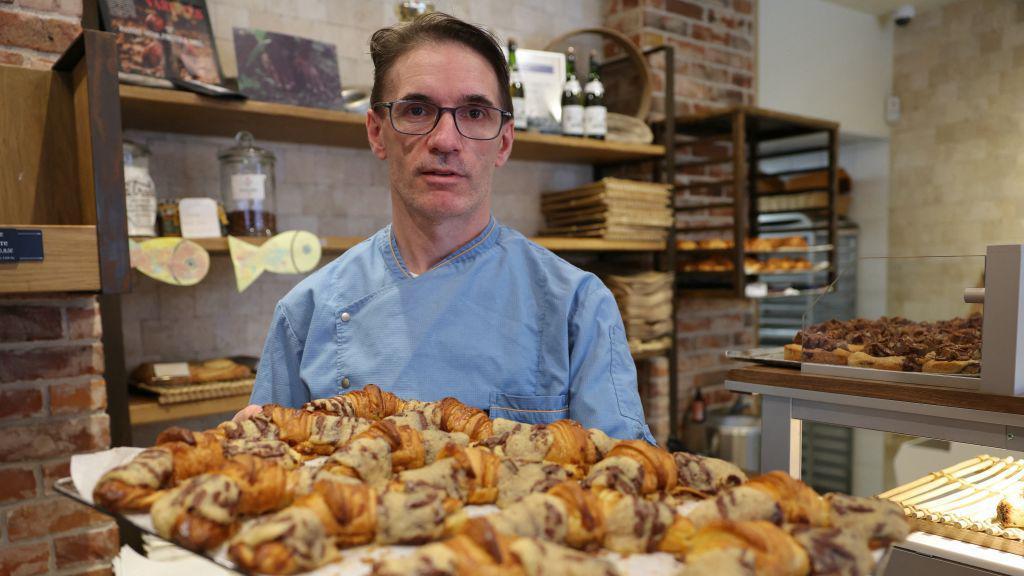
904 14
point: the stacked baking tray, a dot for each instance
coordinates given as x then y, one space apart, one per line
645 302
611 208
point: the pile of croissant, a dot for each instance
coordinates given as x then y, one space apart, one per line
401 471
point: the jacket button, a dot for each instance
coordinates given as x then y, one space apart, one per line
345 316
345 383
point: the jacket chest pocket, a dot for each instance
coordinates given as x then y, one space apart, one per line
529 409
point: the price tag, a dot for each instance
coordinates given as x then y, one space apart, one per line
21 245
199 218
171 370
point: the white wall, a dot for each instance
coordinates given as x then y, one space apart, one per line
826 61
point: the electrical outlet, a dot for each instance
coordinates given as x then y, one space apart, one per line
892 109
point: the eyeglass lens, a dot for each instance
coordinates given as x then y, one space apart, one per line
472 121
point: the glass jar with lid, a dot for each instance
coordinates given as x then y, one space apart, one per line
247 185
139 190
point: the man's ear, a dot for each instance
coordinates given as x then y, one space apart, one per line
505 143
375 133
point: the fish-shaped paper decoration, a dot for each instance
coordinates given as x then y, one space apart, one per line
175 261
293 252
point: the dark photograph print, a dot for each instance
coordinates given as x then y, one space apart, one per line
169 39
287 69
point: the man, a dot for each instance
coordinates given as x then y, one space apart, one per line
445 301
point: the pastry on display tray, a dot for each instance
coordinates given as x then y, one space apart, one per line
943 347
768 244
754 266
414 487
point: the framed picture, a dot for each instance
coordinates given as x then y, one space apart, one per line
543 74
287 69
169 40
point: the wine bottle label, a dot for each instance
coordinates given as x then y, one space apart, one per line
248 187
595 120
519 110
140 201
572 119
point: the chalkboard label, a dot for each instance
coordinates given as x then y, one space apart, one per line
21 245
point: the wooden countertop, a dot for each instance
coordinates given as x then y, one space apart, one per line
794 379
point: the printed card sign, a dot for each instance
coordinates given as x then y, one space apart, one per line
21 245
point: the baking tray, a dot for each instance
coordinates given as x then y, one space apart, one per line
66 487
957 382
773 356
959 502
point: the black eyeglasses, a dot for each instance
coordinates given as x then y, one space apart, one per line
474 121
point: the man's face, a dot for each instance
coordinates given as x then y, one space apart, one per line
440 176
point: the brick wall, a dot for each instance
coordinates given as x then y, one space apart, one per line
715 62
52 401
52 392
33 33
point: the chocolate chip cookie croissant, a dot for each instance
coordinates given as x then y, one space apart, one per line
775 497
486 551
312 433
370 403
634 467
564 442
135 485
292 540
200 514
755 547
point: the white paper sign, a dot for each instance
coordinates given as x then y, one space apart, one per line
543 74
171 370
251 187
199 218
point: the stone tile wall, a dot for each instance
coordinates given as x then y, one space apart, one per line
956 169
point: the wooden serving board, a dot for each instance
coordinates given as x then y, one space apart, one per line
960 502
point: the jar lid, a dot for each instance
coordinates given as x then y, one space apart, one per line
244 148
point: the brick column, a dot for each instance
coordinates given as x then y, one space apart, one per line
34 33
52 401
715 45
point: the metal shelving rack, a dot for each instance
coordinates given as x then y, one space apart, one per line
751 136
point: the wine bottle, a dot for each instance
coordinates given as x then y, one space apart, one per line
595 114
516 89
572 98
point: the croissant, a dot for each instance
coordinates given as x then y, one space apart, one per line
706 475
654 469
264 485
799 503
774 497
489 552
347 511
405 444
564 442
133 486
313 433
200 514
878 521
259 426
585 519
834 551
370 403
292 540
194 453
459 417
271 450
745 548
517 479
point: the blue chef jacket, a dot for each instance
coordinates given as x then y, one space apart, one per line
501 324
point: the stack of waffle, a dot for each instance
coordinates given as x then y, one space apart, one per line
612 208
645 302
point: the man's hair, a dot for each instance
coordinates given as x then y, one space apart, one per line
388 44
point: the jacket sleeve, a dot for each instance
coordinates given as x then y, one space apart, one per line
278 380
603 385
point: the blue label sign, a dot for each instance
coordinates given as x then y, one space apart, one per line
21 245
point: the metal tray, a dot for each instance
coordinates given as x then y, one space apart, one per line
66 487
967 382
773 356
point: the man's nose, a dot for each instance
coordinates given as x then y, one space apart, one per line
445 137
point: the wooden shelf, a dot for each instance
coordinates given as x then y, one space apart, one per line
70 263
336 244
146 410
187 113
